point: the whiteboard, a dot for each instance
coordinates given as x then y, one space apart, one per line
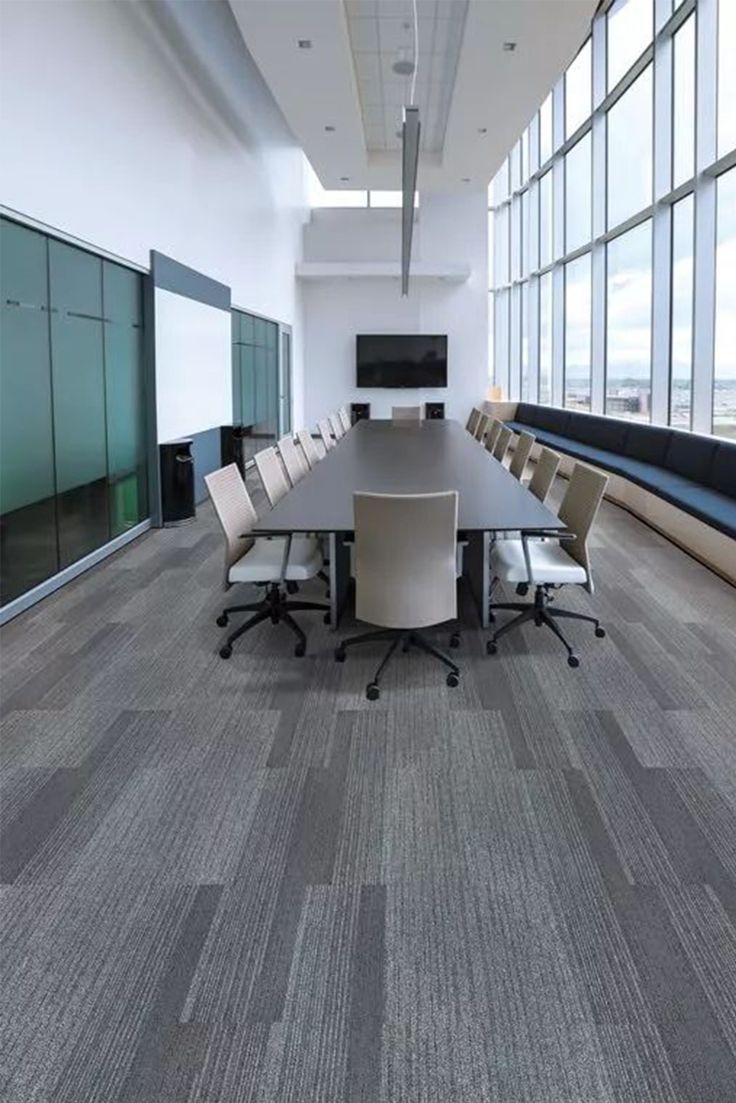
193 366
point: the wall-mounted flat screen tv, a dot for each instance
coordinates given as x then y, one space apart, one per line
401 360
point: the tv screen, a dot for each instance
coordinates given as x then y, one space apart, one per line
401 360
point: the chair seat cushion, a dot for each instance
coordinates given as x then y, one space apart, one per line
550 562
263 562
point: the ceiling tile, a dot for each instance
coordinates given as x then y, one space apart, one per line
364 35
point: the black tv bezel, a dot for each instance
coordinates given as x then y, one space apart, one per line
401 386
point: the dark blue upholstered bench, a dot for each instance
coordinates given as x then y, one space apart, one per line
695 473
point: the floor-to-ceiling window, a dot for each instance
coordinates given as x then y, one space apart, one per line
626 178
256 388
73 470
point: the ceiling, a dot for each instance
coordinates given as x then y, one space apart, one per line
343 101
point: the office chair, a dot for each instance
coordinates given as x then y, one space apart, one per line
296 467
548 564
406 413
311 456
482 427
336 425
271 474
492 434
521 455
325 432
472 421
273 563
404 573
502 444
544 473
344 416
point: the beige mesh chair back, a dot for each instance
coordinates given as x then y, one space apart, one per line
502 444
481 428
578 510
472 421
406 413
234 511
296 467
544 474
492 434
521 454
271 474
325 432
344 416
311 457
336 425
405 558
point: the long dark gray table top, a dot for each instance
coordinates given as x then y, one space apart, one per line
386 458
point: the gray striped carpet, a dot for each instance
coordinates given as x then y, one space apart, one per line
241 882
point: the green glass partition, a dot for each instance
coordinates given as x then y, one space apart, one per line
73 469
255 379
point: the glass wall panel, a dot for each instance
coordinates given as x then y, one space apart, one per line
525 156
629 127
525 244
578 333
524 328
681 346
578 195
546 220
516 238
78 382
545 338
724 374
578 89
125 414
28 550
726 76
629 324
501 246
683 106
630 27
501 335
545 130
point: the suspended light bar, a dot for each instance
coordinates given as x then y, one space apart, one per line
410 158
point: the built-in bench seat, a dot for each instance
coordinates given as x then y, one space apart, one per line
694 473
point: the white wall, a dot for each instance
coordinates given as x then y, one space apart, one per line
113 135
450 229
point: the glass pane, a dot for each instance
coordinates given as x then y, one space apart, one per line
237 384
75 281
545 338
577 333
248 384
515 238
726 76
629 324
525 233
630 151
28 552
501 246
501 183
724 377
525 156
501 336
516 166
261 389
577 195
629 33
683 109
681 358
546 224
524 324
124 397
545 130
578 90
259 332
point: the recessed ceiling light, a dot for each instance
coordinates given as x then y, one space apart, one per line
344 179
509 47
330 129
482 129
465 180
304 43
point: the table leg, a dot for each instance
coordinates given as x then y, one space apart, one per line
339 576
477 570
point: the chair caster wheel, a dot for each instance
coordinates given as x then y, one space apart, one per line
600 632
222 620
491 648
226 651
453 680
327 618
573 660
454 640
339 654
372 692
300 650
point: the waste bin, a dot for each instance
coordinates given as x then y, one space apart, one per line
359 411
231 446
434 411
177 482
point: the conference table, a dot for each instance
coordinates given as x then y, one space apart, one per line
388 457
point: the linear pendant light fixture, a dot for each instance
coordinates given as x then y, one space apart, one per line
410 158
